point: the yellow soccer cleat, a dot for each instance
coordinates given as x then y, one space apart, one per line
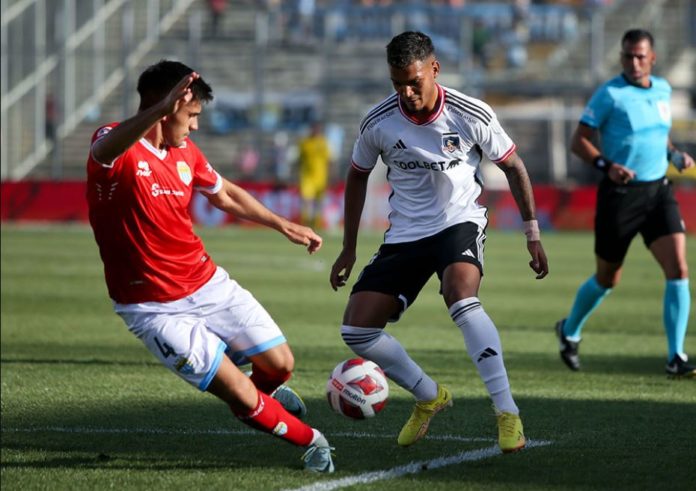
510 432
417 425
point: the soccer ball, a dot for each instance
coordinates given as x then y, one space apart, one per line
357 388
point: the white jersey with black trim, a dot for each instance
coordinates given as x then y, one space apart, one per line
432 165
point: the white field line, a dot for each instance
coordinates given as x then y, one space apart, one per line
163 431
412 468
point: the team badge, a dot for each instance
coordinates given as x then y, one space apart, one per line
184 172
664 110
450 142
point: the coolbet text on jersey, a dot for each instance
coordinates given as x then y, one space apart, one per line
432 165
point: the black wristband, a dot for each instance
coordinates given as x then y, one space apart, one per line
602 163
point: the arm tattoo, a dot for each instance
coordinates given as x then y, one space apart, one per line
520 185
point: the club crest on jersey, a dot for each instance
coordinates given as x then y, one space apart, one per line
664 110
450 142
184 172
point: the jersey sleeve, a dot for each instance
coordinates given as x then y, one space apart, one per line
493 140
598 108
205 178
365 152
93 163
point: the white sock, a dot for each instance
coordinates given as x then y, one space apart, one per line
374 344
484 348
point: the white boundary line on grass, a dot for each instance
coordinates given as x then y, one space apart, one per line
412 468
163 431
364 478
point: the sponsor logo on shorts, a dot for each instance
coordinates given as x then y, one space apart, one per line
183 365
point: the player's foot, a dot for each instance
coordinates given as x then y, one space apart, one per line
568 349
679 367
510 432
417 425
317 458
290 400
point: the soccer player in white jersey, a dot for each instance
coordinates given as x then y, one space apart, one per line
141 176
432 140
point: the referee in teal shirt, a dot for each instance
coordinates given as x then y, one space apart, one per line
631 115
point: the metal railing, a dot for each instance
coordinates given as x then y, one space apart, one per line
55 71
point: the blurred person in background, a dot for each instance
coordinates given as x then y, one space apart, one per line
217 10
199 323
631 116
314 158
432 140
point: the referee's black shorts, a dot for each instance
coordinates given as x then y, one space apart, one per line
625 210
403 269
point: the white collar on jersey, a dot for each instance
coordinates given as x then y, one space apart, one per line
160 154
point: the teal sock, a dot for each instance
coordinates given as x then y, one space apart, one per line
589 296
677 303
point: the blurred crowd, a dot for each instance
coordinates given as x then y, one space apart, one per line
493 26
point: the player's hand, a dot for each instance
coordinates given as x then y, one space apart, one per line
688 162
340 271
539 263
181 94
299 234
620 174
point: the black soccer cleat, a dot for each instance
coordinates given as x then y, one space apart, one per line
568 349
678 368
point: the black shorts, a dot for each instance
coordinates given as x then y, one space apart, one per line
623 211
403 269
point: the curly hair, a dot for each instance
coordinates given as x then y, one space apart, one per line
409 47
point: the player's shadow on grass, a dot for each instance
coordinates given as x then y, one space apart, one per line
550 364
593 443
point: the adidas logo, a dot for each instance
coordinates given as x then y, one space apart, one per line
468 253
399 145
487 353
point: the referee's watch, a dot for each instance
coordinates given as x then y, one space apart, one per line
602 163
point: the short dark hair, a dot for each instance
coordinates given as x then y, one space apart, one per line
635 36
159 79
409 47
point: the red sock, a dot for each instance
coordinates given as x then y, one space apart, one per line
270 417
266 383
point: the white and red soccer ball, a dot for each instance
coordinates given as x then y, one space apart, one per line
357 388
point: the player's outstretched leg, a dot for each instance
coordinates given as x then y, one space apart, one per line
270 417
318 457
417 425
510 431
378 346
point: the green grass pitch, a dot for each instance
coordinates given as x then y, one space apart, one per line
85 406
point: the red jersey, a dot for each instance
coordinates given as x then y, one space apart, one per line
139 212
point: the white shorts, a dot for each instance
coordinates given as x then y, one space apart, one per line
191 335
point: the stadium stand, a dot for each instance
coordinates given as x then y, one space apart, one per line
336 70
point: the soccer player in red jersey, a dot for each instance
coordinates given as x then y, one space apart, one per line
141 175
